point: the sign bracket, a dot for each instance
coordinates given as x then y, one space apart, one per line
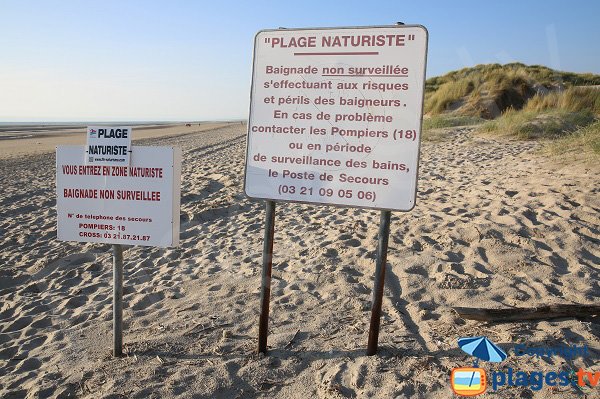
279 130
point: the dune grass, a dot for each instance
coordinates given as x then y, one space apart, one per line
450 120
435 128
448 93
537 73
488 90
504 87
573 99
518 101
528 125
585 141
552 116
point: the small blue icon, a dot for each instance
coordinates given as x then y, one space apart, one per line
482 348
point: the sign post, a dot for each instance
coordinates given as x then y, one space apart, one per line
335 119
265 285
107 193
382 247
117 300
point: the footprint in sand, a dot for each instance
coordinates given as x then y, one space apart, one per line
142 302
215 287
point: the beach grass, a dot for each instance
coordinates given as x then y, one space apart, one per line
489 90
519 102
527 125
450 120
447 94
583 142
573 99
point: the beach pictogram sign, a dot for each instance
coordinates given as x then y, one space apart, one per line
108 145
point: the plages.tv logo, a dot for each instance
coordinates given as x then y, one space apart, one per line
471 381
93 133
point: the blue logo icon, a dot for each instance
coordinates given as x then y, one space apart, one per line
482 348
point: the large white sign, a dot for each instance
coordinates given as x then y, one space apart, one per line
335 116
108 145
136 204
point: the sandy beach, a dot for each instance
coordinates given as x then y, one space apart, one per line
41 140
496 225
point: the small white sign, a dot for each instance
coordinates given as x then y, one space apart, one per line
335 116
136 204
108 145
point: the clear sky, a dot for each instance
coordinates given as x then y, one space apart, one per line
66 60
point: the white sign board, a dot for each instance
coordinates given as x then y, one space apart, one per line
108 145
335 116
134 205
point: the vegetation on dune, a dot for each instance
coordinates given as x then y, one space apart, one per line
538 125
520 101
450 120
573 99
537 73
447 95
489 90
586 139
568 117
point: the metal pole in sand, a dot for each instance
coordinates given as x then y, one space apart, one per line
265 286
118 300
382 247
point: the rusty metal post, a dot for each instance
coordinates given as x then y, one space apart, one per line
382 247
265 286
117 300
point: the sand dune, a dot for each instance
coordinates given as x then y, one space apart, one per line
495 225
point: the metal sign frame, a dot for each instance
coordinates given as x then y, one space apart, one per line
117 248
384 223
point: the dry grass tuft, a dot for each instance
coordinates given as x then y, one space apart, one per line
537 125
489 90
585 141
573 99
519 101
